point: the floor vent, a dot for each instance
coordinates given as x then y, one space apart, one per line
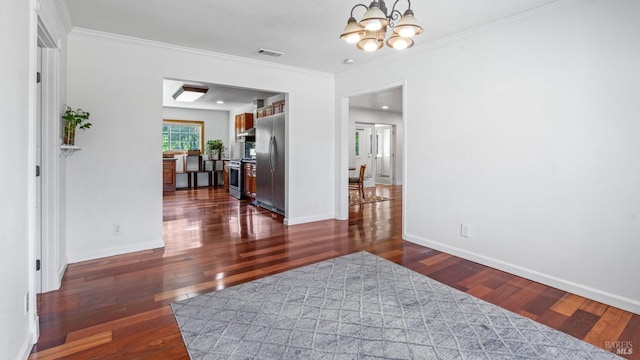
270 52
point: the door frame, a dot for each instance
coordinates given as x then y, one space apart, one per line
342 155
42 35
53 259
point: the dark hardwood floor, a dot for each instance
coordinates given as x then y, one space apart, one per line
118 307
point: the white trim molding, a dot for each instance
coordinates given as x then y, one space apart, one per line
112 251
143 42
569 286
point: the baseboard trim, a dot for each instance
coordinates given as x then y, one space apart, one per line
27 345
307 219
118 250
61 271
569 286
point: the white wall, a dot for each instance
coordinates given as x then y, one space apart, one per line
529 132
216 123
378 117
115 178
15 32
18 35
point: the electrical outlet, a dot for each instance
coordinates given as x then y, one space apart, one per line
465 230
116 229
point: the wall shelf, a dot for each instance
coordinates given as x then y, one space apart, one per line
68 150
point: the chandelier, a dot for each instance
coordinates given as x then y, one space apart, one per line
370 32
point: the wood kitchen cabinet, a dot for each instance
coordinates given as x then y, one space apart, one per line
275 108
168 176
249 179
244 122
246 181
254 182
278 107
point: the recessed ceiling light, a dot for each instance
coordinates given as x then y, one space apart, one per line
219 102
348 61
385 107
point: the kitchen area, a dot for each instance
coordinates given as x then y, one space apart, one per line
260 173
251 124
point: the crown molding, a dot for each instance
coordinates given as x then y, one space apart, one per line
157 44
550 8
64 14
542 10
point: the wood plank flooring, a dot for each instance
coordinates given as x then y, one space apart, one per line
118 307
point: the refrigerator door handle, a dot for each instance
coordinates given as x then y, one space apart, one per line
273 158
271 153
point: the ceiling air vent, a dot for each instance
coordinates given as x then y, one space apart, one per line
270 52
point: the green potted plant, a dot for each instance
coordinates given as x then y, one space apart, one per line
74 119
214 146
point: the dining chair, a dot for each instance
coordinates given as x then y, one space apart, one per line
357 183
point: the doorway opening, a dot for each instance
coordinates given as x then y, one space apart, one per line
376 138
251 124
374 147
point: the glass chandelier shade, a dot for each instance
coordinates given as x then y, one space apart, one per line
374 19
369 33
407 26
399 43
372 41
353 32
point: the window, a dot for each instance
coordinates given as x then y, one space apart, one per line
182 135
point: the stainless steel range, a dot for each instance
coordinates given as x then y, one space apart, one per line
235 178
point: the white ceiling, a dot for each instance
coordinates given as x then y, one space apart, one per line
392 98
306 31
233 97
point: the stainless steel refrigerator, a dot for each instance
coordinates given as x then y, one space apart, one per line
270 158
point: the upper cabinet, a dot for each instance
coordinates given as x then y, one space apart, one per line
278 107
244 122
275 108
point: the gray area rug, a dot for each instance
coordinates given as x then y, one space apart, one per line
361 306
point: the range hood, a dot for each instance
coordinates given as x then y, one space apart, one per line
248 132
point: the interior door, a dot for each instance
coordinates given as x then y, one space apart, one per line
384 154
364 149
